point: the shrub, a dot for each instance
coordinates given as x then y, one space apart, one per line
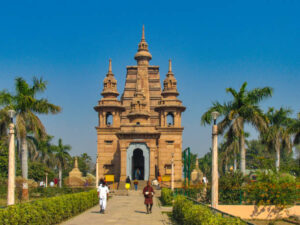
49 210
272 188
187 213
230 185
195 192
54 191
166 196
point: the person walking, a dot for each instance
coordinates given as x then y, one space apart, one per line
135 182
137 174
148 194
127 183
103 195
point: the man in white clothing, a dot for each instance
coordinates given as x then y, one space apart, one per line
103 195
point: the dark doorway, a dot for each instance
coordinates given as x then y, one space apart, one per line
138 164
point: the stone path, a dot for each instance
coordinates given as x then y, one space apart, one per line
123 210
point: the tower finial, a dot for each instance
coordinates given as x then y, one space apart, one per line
143 33
109 67
170 65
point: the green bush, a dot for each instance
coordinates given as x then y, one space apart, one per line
187 213
48 210
230 187
166 196
54 191
272 188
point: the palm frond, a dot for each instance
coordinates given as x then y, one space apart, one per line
35 125
39 85
258 94
5 98
44 107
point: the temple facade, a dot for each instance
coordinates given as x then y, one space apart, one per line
138 135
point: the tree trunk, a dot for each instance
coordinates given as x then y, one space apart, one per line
226 165
243 154
234 162
60 176
277 148
24 158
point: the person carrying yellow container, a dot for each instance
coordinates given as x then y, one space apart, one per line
128 183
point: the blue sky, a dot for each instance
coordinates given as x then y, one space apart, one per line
213 45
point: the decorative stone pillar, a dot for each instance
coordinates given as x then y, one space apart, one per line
123 160
11 167
152 163
215 182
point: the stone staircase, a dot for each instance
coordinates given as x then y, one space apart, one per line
141 185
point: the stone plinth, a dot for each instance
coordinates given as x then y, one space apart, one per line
75 176
196 175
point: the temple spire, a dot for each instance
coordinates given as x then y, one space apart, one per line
143 55
143 33
110 84
170 84
170 65
109 67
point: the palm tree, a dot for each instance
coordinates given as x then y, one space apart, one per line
26 105
295 129
278 134
4 122
242 109
61 155
43 148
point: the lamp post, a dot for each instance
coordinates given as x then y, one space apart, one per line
97 177
46 185
11 161
215 182
172 172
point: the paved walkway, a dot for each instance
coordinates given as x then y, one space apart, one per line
123 210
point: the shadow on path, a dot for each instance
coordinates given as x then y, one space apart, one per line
97 212
140 212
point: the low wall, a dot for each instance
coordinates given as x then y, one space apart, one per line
259 212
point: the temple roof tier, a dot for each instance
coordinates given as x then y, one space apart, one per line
170 84
110 84
143 55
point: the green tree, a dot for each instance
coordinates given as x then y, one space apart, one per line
205 164
243 108
84 163
295 129
38 170
61 156
4 122
258 157
3 159
278 134
44 150
27 106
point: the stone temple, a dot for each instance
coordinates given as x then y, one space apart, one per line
143 129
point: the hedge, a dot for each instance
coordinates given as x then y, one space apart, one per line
166 196
48 210
187 213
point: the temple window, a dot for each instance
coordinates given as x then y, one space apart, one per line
108 142
109 119
170 119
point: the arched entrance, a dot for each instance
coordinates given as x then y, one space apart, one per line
138 157
138 165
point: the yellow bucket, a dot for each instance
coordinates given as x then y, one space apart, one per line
127 186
